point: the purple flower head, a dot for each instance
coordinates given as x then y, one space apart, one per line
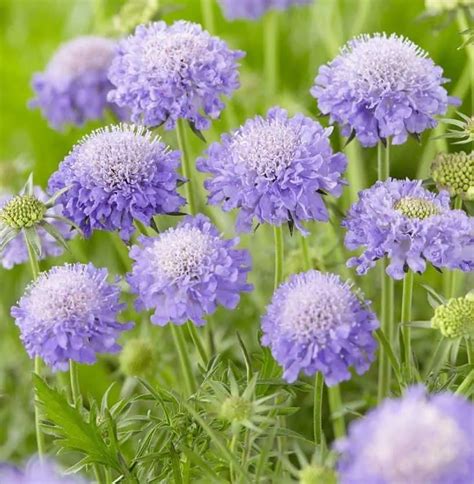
274 169
74 86
315 322
185 272
16 252
380 87
416 439
70 312
410 225
254 9
163 73
118 174
37 472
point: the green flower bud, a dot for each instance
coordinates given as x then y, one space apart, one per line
456 317
236 409
455 172
137 357
313 474
413 207
22 211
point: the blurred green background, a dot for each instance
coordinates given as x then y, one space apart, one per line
31 30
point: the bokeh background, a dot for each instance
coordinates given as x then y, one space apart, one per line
30 32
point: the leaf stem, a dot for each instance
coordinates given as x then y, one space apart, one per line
407 297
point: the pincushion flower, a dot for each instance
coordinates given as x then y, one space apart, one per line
274 169
118 174
70 312
253 9
381 87
315 322
163 73
185 272
74 86
415 439
411 226
18 212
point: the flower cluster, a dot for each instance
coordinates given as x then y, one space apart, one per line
455 172
163 73
455 318
74 86
185 272
314 323
70 312
118 174
381 87
414 439
274 169
254 9
411 226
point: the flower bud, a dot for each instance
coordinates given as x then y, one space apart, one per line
137 357
455 318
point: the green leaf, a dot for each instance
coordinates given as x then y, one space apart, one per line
73 431
52 201
28 187
55 234
33 240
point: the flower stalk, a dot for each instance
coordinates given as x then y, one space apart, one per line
186 165
407 297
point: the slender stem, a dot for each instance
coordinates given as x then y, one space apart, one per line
270 41
108 476
305 253
470 350
407 298
463 24
278 239
465 387
187 168
335 405
318 408
387 293
207 12
184 360
193 332
74 377
37 362
453 275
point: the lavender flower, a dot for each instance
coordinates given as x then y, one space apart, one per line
70 312
74 86
314 323
416 439
275 169
185 272
15 251
163 73
380 87
118 174
253 9
37 472
410 225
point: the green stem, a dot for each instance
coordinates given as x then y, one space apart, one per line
278 239
387 293
407 298
463 26
470 349
453 275
193 332
270 41
335 405
207 12
35 270
184 360
465 387
318 408
186 163
305 252
75 390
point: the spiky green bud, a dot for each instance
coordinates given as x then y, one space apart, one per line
22 211
236 409
313 474
413 207
455 318
455 172
137 357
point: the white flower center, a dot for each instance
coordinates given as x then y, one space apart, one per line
268 147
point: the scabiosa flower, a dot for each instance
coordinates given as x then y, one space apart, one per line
410 225
455 172
455 318
380 87
253 9
118 174
185 272
274 169
37 472
70 312
74 86
416 439
315 322
163 73
22 211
